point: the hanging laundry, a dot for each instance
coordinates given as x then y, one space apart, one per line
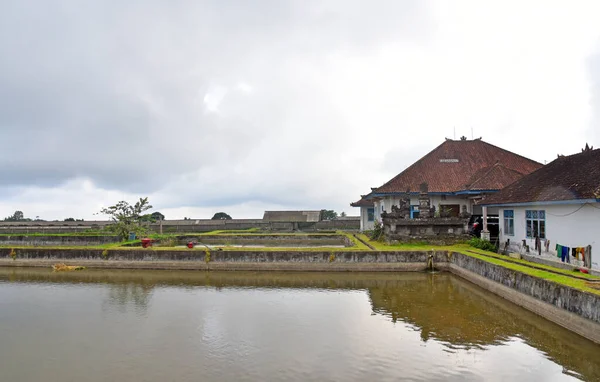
558 250
574 252
564 254
588 256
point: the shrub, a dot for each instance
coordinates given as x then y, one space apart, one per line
482 244
377 232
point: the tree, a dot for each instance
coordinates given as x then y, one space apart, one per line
127 218
156 216
328 215
69 220
343 215
16 217
221 216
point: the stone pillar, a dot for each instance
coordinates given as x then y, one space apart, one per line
485 233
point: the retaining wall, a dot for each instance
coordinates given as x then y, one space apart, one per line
28 240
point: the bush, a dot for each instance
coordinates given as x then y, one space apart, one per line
482 244
377 232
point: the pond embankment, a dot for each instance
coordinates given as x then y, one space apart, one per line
576 309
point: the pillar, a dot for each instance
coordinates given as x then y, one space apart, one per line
485 233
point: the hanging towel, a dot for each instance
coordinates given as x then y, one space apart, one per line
574 252
558 250
565 254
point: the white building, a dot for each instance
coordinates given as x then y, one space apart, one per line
457 173
560 203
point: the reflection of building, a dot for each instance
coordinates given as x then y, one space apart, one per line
461 315
559 202
458 172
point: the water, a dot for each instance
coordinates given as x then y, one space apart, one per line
197 326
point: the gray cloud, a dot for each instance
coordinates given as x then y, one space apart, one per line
115 91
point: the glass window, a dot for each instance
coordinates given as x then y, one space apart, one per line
535 224
509 222
414 212
371 214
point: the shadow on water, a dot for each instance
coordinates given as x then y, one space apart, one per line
440 306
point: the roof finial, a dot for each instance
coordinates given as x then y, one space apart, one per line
587 148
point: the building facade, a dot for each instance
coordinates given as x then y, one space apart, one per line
457 173
559 204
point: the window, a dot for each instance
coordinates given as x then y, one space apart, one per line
414 212
371 214
509 222
535 223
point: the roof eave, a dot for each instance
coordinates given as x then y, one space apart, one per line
540 203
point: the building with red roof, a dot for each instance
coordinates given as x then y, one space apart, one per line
457 173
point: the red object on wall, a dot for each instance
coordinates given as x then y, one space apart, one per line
190 245
146 242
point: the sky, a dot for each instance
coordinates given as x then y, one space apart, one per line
242 107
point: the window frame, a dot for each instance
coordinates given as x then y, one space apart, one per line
370 214
509 222
535 223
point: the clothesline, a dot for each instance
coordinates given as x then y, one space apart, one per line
580 253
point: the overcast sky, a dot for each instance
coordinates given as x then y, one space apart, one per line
242 106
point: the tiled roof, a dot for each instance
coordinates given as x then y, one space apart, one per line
292 216
462 165
493 178
363 202
566 178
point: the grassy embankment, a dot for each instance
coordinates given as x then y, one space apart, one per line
557 275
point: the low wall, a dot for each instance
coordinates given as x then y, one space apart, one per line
571 308
40 240
268 240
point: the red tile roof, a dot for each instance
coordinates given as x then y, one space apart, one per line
363 202
566 178
462 165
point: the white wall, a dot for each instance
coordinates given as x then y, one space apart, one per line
365 224
572 225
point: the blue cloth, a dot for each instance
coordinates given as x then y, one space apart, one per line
565 254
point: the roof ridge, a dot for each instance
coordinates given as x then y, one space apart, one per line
510 152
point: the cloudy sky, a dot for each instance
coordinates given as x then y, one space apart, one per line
243 106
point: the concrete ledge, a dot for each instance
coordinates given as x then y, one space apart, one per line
584 327
227 266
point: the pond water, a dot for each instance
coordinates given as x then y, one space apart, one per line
96 325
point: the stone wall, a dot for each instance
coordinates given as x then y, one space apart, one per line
75 240
438 231
268 240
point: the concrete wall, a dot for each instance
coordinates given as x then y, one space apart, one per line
27 240
572 225
268 240
181 226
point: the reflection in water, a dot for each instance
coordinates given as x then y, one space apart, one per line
186 325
